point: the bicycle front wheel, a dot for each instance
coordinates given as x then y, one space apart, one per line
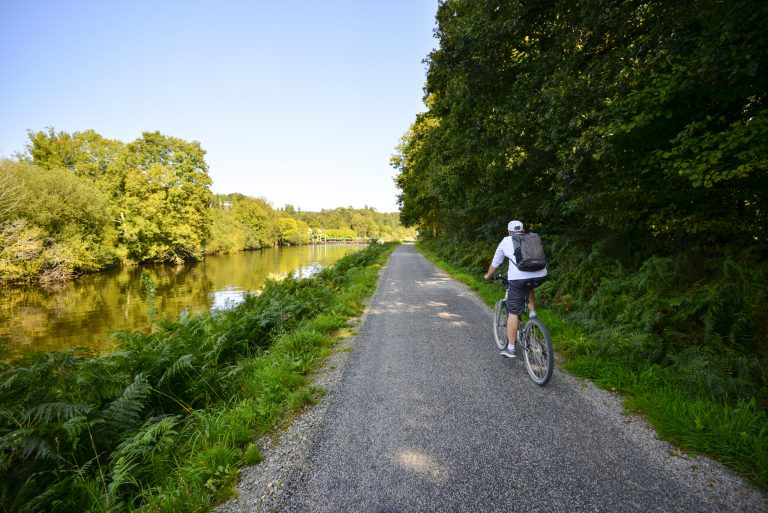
538 352
500 315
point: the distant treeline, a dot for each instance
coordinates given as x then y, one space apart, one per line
634 136
241 222
74 203
350 223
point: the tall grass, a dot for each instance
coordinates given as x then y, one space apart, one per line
163 423
703 398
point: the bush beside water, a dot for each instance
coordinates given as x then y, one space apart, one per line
163 423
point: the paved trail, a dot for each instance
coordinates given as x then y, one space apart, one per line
428 417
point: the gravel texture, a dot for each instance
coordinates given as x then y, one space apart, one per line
424 415
285 450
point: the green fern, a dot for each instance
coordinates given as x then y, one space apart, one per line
136 455
58 412
182 364
126 410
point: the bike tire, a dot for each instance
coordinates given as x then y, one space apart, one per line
538 352
500 316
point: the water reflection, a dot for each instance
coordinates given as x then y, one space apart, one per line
227 298
84 312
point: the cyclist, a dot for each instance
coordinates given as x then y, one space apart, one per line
521 284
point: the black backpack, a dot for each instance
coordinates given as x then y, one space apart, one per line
529 253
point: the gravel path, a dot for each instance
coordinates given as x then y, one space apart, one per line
424 415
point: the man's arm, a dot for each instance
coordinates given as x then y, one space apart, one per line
498 259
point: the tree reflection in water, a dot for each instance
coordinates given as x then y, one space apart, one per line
86 311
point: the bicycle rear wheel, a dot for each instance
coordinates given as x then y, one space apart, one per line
538 352
500 316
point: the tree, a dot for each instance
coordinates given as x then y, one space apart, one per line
227 234
293 231
259 221
87 154
164 199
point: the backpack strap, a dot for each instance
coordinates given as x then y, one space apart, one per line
517 249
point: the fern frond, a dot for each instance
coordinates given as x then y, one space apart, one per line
8 383
59 411
136 452
38 447
9 417
122 474
66 494
126 410
183 364
75 426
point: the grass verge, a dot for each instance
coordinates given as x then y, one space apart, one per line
735 433
163 423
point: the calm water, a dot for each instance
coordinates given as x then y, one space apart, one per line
86 311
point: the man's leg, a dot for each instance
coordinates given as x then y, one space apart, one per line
516 296
512 322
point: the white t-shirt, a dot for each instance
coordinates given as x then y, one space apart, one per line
507 249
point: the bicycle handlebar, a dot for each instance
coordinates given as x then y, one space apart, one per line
500 277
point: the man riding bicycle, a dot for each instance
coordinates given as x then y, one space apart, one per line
521 284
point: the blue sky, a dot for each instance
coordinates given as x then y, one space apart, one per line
300 102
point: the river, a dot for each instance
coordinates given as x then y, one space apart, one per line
86 311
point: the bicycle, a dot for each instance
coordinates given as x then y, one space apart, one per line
533 338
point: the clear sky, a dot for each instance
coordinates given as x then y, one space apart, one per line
301 102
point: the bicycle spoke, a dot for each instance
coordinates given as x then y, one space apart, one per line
500 316
537 355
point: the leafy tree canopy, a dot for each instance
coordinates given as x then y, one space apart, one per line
164 199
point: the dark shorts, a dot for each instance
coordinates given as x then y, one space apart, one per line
517 293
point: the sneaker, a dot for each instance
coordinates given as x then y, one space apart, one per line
508 351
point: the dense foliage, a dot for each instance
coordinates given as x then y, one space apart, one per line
642 123
241 222
354 223
53 224
634 136
163 423
163 198
80 202
75 203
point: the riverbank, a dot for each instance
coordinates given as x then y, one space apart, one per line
164 423
55 277
736 434
85 312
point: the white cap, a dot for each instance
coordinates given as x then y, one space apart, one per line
515 227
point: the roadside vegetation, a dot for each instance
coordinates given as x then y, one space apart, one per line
78 203
164 422
632 136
